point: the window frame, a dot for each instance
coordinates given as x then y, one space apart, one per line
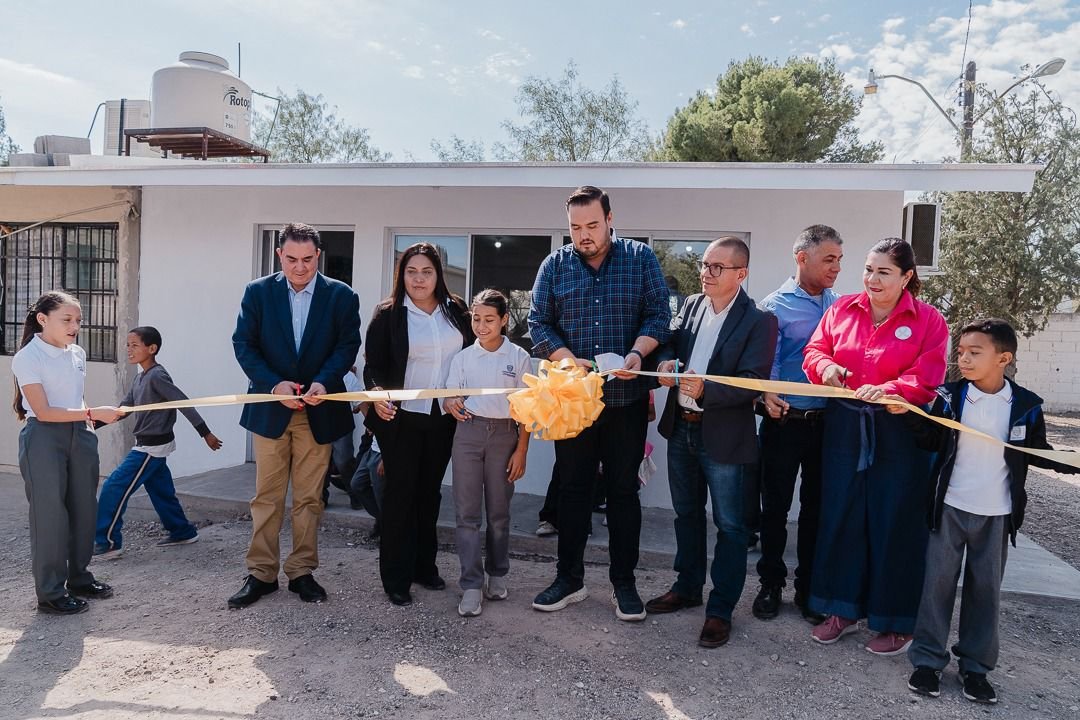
106 297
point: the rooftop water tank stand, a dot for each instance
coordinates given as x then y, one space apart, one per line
202 143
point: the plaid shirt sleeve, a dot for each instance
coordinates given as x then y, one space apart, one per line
543 313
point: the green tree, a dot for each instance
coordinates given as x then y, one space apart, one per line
684 267
308 130
566 121
458 150
7 145
1014 255
761 111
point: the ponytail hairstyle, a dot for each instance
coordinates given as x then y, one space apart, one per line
903 257
46 304
494 300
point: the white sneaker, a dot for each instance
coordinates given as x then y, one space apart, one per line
496 588
545 528
470 605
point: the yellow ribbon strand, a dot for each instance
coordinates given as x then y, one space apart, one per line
364 396
563 399
783 387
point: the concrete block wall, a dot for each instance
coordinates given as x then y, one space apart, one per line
1048 363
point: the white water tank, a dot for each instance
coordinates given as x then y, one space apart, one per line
199 91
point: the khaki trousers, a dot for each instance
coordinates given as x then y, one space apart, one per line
294 454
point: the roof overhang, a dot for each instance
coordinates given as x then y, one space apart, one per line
90 170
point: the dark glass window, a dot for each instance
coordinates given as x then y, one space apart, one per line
80 259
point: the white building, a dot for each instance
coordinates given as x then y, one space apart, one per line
173 244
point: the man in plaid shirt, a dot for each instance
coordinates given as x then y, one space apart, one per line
602 294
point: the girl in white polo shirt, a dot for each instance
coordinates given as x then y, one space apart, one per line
489 450
58 454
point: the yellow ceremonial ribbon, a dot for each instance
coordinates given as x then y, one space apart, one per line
564 399
783 387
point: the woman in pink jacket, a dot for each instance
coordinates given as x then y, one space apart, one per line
881 343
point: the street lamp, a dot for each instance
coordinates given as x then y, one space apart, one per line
1050 67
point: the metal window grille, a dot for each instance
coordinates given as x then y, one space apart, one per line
80 259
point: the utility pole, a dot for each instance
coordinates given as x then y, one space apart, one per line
969 111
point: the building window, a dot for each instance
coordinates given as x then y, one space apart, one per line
508 263
80 259
335 261
454 251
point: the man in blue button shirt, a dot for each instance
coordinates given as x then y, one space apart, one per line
791 431
601 294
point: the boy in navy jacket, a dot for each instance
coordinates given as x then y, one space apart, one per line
977 505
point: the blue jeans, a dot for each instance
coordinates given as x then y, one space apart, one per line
366 485
139 469
693 476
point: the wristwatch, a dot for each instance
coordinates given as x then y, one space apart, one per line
637 352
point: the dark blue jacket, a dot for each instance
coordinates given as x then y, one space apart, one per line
1026 412
265 348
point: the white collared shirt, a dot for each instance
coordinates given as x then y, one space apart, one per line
299 307
706 329
980 477
433 342
61 372
475 367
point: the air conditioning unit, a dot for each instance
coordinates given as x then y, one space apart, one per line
136 115
922 229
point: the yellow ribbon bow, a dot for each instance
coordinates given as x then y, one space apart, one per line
560 401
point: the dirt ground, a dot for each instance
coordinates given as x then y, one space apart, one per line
166 646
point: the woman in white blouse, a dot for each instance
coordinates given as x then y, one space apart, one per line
410 342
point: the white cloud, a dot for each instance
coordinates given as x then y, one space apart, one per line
1005 35
488 34
11 68
746 30
840 52
678 23
775 19
413 71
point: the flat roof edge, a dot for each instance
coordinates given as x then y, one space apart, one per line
748 176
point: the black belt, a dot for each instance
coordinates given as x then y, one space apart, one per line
797 414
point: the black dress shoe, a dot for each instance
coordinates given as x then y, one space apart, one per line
714 633
308 590
253 589
65 605
432 583
767 603
811 616
400 598
671 602
94 590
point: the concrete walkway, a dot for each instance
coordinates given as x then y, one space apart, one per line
224 494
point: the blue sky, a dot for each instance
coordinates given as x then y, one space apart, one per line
412 71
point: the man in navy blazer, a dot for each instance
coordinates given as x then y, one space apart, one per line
711 432
297 335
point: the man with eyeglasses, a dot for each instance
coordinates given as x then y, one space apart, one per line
792 431
711 433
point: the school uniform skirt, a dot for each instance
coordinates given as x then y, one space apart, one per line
871 543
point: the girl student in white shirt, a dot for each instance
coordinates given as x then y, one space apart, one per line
58 454
489 450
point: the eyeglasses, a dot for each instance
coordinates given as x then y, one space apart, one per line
717 269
